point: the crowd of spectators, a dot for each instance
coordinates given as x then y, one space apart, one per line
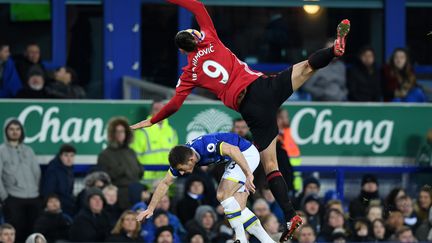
105 209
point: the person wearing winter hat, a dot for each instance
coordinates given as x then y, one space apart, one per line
311 205
310 185
36 238
368 196
164 234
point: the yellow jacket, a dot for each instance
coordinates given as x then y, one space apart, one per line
152 146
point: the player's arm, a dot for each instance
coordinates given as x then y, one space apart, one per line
159 192
199 10
170 108
234 153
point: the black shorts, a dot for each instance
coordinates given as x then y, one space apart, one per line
260 105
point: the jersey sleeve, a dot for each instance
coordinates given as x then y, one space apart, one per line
173 106
173 172
200 12
211 145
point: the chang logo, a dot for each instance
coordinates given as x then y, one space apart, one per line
208 121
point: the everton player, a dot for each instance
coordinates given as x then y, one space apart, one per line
241 158
256 96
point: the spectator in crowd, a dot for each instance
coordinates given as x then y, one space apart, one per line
165 205
36 238
374 212
368 196
53 223
204 223
339 235
261 208
290 147
303 216
271 226
363 78
390 201
361 231
424 203
119 161
311 185
405 205
35 88
92 224
424 231
111 207
241 128
164 234
405 235
96 179
379 230
152 144
64 85
196 238
394 222
127 229
335 204
20 177
306 234
334 219
283 160
311 206
7 233
424 155
59 178
193 198
274 206
399 80
329 83
10 82
30 62
159 219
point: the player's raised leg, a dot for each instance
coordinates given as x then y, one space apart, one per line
304 70
280 190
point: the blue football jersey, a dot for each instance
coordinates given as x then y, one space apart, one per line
207 148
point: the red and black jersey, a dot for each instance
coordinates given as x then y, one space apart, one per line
212 66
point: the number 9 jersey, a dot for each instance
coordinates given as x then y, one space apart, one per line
214 67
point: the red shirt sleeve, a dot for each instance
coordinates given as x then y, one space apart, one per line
173 105
183 89
200 12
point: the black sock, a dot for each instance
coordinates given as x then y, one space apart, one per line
280 191
321 58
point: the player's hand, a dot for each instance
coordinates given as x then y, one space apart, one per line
141 124
249 183
144 215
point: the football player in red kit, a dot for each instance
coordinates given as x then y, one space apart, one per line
256 96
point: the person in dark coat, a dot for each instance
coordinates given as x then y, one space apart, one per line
35 87
53 223
29 62
95 179
368 196
119 161
63 85
92 222
59 178
363 78
111 207
194 196
127 229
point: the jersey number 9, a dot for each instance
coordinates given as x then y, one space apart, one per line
218 71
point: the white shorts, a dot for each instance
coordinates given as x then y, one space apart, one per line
233 172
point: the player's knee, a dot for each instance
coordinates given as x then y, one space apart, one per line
221 195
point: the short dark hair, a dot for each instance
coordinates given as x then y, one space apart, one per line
179 155
67 148
239 119
6 226
365 49
186 41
